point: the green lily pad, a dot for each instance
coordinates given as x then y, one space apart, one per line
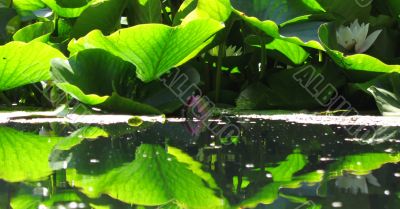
360 62
295 53
153 178
347 10
25 63
113 73
270 28
144 11
219 10
28 5
278 11
153 48
104 16
69 8
39 31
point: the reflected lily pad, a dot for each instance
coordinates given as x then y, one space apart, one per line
361 164
153 178
26 155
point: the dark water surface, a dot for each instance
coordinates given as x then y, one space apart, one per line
270 164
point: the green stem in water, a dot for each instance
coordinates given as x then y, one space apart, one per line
221 55
4 99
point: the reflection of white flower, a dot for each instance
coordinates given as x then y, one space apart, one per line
355 183
356 37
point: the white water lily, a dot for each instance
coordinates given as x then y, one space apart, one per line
230 51
356 37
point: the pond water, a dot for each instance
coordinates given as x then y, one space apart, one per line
269 164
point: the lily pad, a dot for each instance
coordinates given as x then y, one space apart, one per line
28 5
69 9
153 48
39 31
270 28
278 11
101 15
144 11
25 63
219 10
295 53
100 66
153 178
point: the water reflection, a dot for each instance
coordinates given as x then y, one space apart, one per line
269 165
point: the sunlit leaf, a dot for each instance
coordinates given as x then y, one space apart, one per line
25 63
68 8
153 48
114 74
39 31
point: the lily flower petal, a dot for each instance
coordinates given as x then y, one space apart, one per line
345 37
363 47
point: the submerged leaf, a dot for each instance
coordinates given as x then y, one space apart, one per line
25 63
153 48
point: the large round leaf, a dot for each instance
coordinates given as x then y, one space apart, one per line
153 48
153 178
28 5
104 16
68 8
39 31
271 29
278 11
22 63
96 77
